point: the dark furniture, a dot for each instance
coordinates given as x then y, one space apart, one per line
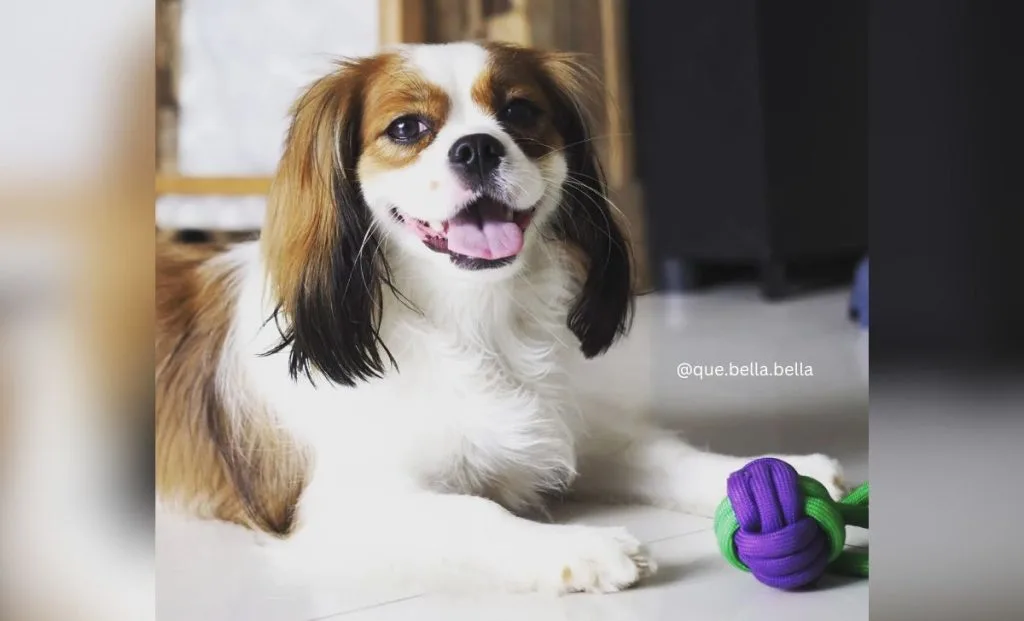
751 135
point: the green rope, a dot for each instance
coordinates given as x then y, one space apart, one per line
854 509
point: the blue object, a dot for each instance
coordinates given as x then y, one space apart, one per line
859 296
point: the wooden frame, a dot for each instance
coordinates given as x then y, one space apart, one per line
207 186
168 40
619 113
401 21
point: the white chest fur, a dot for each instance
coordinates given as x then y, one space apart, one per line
478 404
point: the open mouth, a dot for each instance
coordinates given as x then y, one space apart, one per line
484 234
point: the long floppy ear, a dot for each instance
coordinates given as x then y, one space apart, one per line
603 310
322 256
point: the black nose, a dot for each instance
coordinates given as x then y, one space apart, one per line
474 157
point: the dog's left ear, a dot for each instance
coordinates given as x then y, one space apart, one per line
603 310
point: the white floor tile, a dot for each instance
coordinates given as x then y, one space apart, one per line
694 582
646 523
214 572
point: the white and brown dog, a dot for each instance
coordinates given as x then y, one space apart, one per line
381 380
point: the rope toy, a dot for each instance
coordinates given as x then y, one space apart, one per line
785 528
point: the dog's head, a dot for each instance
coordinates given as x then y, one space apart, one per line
465 159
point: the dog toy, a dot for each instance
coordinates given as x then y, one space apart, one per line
785 528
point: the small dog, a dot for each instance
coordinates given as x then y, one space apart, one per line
389 362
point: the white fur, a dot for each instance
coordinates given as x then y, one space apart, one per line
420 475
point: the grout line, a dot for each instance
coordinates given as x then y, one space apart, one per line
366 607
678 536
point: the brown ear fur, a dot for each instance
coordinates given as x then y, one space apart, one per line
322 256
302 220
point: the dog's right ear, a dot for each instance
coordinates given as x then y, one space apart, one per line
322 257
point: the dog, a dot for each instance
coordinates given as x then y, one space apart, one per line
390 359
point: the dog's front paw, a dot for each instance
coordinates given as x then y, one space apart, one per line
824 469
593 560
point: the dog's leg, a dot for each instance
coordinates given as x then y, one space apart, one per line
445 541
646 464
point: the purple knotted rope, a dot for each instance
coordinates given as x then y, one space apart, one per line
782 546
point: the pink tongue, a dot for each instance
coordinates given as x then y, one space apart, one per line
491 237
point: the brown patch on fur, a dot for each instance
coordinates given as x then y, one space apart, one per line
521 73
227 464
302 221
576 262
392 92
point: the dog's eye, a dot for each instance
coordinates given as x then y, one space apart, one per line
407 129
519 112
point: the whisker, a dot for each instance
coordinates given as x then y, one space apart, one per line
359 253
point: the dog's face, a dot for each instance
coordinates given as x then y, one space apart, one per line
460 153
463 158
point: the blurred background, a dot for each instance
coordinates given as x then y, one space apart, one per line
78 153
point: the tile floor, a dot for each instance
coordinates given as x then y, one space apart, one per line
210 572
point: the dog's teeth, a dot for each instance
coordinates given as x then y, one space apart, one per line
436 225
